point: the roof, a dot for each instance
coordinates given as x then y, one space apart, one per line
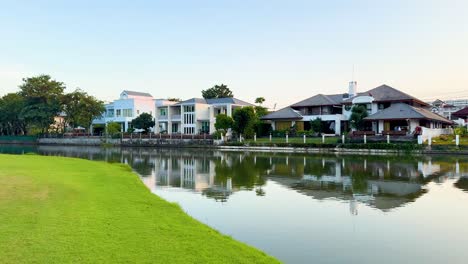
320 99
386 93
137 93
285 113
226 100
405 111
463 113
193 101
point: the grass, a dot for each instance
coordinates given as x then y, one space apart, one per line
449 140
294 140
63 210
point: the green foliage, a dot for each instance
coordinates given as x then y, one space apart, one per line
143 121
81 109
259 100
358 113
113 128
244 121
261 111
316 125
11 122
42 97
223 122
217 91
460 130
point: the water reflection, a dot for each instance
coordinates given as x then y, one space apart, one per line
381 182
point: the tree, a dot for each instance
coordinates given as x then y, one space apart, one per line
42 101
143 121
316 125
81 109
113 128
223 122
244 121
217 91
259 100
10 121
358 113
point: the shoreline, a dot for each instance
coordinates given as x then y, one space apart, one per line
265 149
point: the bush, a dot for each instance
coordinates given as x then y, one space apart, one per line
462 131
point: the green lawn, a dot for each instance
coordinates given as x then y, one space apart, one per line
316 140
63 210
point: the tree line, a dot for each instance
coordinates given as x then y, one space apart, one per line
39 101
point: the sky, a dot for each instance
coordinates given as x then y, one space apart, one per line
284 51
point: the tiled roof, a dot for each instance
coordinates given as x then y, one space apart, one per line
285 113
405 111
463 113
386 93
321 99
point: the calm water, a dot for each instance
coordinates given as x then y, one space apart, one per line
311 208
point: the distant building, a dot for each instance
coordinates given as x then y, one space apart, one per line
448 107
129 106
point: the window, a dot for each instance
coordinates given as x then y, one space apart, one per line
189 130
189 108
205 127
189 119
110 113
175 128
127 112
163 112
118 113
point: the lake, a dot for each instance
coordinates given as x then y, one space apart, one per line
310 208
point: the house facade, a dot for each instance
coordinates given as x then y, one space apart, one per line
129 106
448 108
384 106
193 116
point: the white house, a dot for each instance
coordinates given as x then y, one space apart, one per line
193 116
129 106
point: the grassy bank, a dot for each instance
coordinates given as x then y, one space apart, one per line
62 210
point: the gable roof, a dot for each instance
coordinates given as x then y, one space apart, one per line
462 113
406 111
285 113
137 93
387 93
320 99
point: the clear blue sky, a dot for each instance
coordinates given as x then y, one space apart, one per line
282 50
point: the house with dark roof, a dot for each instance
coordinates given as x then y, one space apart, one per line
462 114
129 106
195 115
388 109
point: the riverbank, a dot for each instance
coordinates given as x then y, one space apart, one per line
64 210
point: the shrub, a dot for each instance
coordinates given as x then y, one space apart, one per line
462 131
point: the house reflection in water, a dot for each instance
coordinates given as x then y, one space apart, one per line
382 183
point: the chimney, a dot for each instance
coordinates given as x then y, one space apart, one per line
352 89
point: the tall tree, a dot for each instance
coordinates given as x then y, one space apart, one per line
358 113
81 109
143 121
244 121
217 91
42 100
10 121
